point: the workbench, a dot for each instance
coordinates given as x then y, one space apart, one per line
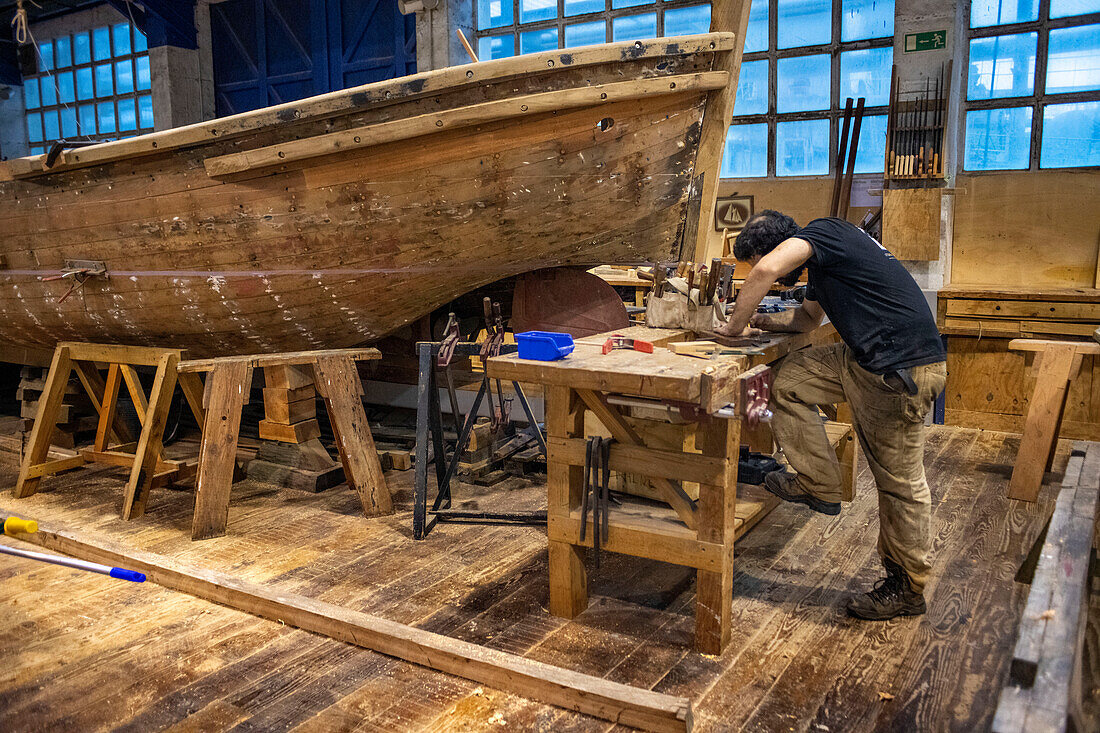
697 534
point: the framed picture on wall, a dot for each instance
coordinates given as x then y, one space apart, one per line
732 212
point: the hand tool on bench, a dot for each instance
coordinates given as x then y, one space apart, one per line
690 281
618 341
659 277
703 277
713 277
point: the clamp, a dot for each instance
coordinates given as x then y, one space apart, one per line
618 341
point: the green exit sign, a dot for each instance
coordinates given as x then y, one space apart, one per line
925 41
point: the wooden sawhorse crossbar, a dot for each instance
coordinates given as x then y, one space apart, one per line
1057 363
227 391
148 467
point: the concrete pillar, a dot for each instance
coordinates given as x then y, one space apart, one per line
437 44
183 79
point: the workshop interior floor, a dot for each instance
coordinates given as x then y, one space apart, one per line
85 652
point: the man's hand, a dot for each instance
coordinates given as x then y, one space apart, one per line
746 332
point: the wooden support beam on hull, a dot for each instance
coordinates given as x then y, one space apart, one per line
545 683
262 159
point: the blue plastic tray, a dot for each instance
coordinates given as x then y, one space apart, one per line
544 345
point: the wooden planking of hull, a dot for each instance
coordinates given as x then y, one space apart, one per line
331 221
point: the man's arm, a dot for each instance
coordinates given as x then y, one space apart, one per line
793 320
789 255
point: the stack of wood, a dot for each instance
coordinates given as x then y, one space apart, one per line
490 458
77 420
290 452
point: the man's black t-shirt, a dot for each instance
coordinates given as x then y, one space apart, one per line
875 304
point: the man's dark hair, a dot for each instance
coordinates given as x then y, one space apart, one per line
762 233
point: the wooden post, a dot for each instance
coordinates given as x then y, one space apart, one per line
49 404
149 445
721 439
107 410
1056 368
227 389
568 576
338 381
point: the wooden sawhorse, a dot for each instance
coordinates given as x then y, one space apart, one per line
148 468
1057 363
227 391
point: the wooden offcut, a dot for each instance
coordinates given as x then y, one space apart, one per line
594 696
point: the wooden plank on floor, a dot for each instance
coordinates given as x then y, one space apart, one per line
535 680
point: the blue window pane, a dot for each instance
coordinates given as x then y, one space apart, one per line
105 114
124 77
578 7
585 34
84 88
871 153
802 148
82 48
51 127
30 94
34 127
121 33
998 12
144 79
804 22
68 122
65 90
1001 66
1073 59
45 56
866 19
101 44
634 27
756 36
534 41
752 89
1065 8
616 4
37 150
488 48
49 91
532 10
145 112
687 21
63 53
127 115
104 84
998 139
493 14
87 119
746 153
1071 135
802 83
866 73
141 45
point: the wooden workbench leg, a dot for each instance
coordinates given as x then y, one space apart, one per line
45 421
568 576
1044 412
717 438
338 381
149 447
227 386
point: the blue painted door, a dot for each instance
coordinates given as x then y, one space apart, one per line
272 51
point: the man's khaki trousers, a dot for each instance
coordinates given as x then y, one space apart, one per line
890 426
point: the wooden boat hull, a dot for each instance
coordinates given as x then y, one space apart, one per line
334 221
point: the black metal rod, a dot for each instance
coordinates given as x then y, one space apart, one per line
420 480
463 439
530 417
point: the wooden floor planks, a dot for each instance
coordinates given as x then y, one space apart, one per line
90 652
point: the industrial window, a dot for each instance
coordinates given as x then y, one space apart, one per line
511 27
91 85
1033 85
802 60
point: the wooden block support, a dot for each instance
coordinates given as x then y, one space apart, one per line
296 433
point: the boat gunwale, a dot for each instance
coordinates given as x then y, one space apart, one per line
376 94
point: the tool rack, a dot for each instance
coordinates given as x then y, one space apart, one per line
697 534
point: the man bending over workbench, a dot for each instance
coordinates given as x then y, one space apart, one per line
889 368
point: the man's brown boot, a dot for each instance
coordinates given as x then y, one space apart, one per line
784 485
891 597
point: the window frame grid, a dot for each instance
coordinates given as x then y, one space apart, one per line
50 77
1038 100
835 113
608 14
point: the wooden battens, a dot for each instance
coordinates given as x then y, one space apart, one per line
612 701
404 129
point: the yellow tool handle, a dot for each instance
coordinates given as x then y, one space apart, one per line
14 525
